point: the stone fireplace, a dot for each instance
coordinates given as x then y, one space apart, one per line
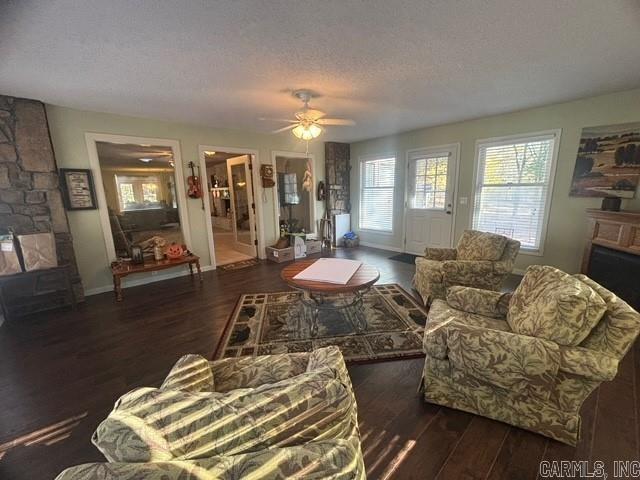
30 194
337 170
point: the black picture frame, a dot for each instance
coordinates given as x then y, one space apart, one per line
78 190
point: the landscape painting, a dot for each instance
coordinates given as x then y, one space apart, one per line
608 162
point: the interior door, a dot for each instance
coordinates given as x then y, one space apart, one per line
242 207
429 205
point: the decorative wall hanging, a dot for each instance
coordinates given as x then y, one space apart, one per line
266 174
321 194
78 190
608 162
195 189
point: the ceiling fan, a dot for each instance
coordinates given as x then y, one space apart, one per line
309 122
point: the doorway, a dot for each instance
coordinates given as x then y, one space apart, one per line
231 206
430 202
140 192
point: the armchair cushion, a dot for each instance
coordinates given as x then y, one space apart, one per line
476 300
551 304
191 373
440 254
466 272
587 363
149 424
507 360
475 245
251 372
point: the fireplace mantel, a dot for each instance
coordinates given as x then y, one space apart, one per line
615 230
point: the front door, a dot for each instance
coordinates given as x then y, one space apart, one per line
243 220
429 205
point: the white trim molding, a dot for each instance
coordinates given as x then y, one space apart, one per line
312 194
368 158
454 150
527 136
94 163
257 190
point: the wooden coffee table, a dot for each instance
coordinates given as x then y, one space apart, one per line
315 295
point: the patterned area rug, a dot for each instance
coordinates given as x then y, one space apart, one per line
264 323
239 265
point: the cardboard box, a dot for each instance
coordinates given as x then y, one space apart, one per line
280 255
313 246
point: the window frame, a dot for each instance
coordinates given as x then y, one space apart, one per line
369 158
520 138
137 183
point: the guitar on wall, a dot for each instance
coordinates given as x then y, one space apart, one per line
195 187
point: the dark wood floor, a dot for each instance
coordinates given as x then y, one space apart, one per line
61 372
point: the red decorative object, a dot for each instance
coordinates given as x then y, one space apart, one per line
174 251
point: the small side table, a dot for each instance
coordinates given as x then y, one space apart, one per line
119 270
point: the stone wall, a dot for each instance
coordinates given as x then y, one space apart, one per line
30 195
337 167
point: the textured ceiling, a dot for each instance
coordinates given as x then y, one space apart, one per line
390 65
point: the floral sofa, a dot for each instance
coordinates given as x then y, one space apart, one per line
273 417
529 358
481 260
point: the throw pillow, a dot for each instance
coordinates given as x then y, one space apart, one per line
474 245
551 304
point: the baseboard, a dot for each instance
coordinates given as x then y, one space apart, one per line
382 247
134 282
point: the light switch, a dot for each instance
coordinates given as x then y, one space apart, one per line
463 200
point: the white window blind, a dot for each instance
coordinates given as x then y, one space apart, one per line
513 188
377 183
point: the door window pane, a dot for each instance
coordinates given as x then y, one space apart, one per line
429 183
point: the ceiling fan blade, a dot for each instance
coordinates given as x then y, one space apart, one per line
335 121
284 129
288 120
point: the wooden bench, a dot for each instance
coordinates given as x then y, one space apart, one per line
120 270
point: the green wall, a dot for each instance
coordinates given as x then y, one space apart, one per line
68 128
567 222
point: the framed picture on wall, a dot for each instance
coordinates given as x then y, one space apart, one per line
608 162
78 190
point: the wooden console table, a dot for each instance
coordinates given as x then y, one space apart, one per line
123 269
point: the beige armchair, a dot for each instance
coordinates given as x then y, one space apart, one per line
272 416
481 260
529 359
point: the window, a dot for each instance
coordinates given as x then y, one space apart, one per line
513 187
377 179
139 192
430 179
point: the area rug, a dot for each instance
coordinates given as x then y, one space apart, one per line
266 323
239 265
404 258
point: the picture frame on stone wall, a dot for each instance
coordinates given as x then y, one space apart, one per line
78 189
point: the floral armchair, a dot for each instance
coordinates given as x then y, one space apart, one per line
272 416
529 359
481 260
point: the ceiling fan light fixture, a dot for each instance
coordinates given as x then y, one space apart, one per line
307 132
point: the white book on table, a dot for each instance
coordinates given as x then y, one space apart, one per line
330 270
